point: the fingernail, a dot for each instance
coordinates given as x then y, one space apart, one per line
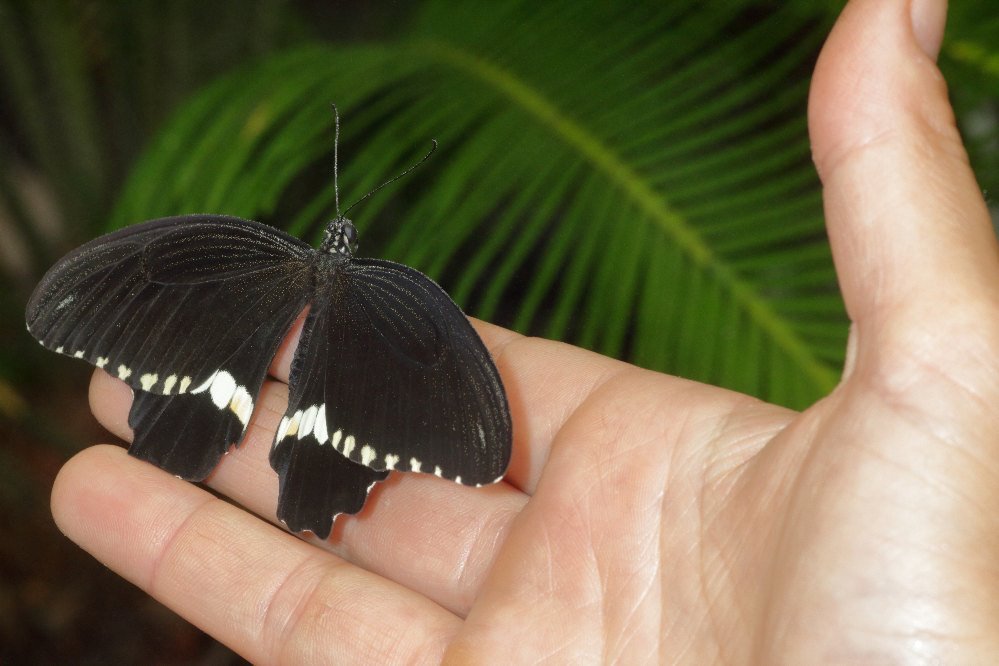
928 20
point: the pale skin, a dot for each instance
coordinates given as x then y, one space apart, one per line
645 517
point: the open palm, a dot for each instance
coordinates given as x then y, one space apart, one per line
645 517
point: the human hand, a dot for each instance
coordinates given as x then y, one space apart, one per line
646 517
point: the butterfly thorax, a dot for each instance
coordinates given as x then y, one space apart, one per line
340 238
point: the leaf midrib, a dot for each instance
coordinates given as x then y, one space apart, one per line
618 172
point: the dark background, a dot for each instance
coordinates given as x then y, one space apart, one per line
635 180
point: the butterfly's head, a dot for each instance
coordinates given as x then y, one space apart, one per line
340 238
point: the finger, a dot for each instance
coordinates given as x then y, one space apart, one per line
911 236
428 534
269 596
545 382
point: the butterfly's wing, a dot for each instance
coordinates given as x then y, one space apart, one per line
389 374
189 312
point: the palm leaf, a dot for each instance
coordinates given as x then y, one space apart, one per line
652 198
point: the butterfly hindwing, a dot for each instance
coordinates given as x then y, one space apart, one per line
138 303
183 434
316 482
186 434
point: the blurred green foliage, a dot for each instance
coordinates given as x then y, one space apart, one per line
631 177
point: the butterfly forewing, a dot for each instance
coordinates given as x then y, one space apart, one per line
196 348
216 248
409 386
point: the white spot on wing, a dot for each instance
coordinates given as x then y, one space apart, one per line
241 404
390 461
78 354
168 384
293 424
205 385
319 431
437 471
337 436
148 381
308 421
489 483
102 361
282 429
59 349
457 479
223 387
123 372
348 445
184 383
415 464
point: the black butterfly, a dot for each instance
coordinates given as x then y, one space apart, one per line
189 311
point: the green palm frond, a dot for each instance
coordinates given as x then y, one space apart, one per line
636 180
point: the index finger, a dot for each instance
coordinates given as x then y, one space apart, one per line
545 382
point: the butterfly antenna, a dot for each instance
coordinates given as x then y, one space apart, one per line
391 180
336 148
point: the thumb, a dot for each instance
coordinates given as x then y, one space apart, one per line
912 239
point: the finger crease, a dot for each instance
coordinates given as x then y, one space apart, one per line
171 543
